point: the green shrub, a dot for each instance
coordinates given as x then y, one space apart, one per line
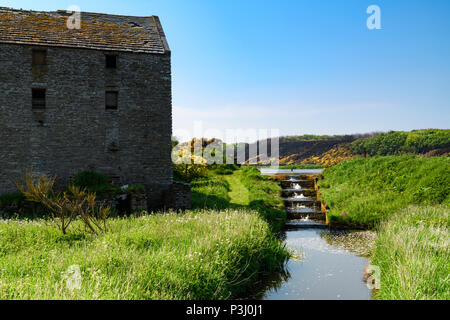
189 172
88 179
223 169
422 141
399 142
12 199
134 189
385 144
95 182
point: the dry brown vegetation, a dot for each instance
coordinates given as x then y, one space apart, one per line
66 207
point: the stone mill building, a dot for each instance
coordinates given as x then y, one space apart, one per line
96 98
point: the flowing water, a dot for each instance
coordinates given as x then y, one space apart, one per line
325 265
319 270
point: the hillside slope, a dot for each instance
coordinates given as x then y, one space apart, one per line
362 192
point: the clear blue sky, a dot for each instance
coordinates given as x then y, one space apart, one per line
300 66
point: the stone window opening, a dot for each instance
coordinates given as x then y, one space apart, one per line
39 57
38 98
112 100
111 61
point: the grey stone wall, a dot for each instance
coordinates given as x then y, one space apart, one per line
178 196
75 132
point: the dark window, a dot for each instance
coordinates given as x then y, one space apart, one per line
112 100
38 98
111 61
39 57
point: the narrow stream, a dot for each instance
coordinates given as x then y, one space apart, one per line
319 271
326 265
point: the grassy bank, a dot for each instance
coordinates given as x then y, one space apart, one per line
412 252
211 192
362 192
406 198
264 197
244 189
203 255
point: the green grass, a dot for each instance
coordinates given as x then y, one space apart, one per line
372 189
406 198
244 189
412 251
202 255
264 196
210 192
238 193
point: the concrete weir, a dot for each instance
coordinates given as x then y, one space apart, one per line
300 194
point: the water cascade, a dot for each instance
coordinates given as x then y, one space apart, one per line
300 198
319 269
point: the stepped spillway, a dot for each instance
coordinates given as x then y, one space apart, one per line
301 199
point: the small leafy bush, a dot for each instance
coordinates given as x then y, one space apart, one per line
135 188
96 183
224 169
12 199
88 179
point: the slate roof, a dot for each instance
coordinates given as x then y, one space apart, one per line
98 31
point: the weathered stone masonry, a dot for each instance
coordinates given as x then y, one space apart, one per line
75 132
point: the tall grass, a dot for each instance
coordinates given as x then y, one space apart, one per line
362 192
407 198
263 194
238 194
210 192
202 255
412 251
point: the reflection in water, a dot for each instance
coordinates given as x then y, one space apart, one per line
325 272
359 243
268 283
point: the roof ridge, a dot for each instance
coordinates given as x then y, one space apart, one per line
65 11
99 31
